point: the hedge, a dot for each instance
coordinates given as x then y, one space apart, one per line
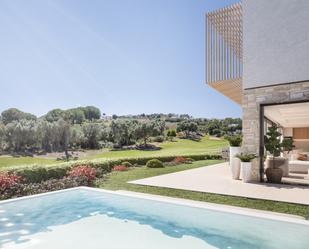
39 173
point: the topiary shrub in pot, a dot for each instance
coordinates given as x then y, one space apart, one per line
235 143
246 165
154 163
274 145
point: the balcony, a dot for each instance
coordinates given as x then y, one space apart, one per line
224 57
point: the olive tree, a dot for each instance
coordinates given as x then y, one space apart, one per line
146 129
21 135
122 132
77 137
92 134
63 127
187 126
2 137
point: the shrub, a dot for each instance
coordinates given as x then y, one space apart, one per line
120 168
23 189
171 134
36 174
180 160
83 171
8 180
154 163
235 140
244 157
158 139
127 164
39 173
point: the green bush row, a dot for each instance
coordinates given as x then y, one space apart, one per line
39 173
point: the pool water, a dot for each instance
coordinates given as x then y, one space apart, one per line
87 219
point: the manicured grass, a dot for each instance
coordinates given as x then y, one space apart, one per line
178 147
118 181
6 162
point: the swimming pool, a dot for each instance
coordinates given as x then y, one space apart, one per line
83 218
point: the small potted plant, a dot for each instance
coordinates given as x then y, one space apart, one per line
235 143
246 165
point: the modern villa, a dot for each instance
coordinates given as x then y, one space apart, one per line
72 179
257 54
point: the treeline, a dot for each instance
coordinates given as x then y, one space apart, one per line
167 117
220 127
62 130
75 115
58 130
83 128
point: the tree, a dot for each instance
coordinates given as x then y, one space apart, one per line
54 115
92 134
46 135
123 131
145 129
187 126
213 127
75 115
2 137
14 114
64 135
77 137
21 135
171 134
91 113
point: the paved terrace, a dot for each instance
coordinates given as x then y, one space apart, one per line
217 179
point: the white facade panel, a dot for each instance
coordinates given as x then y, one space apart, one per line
275 42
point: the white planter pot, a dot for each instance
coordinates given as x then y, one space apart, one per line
246 171
235 168
233 152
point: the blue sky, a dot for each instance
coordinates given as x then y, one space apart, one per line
124 56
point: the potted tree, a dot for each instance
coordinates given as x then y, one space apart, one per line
235 143
246 165
274 145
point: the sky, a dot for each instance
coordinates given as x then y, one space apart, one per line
123 56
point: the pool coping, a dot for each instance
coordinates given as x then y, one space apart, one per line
183 202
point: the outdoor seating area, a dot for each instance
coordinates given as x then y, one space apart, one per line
217 179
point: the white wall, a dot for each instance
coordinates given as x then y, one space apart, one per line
276 42
303 146
288 132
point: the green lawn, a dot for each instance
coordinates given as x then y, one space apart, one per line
15 161
118 181
179 147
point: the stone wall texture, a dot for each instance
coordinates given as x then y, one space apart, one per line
252 100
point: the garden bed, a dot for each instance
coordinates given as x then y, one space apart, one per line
26 180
